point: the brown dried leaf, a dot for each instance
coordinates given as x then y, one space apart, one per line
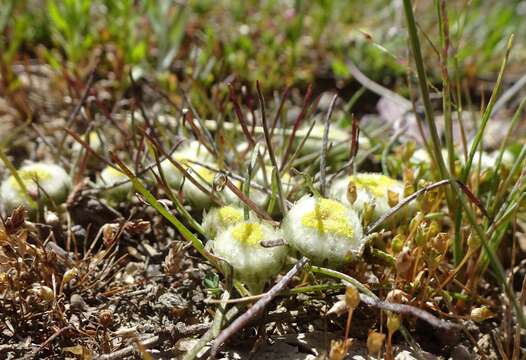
83 352
16 220
172 262
137 227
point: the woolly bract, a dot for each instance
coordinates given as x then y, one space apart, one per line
324 230
253 264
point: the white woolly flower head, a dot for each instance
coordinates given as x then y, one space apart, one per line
421 157
110 176
264 177
192 193
42 180
189 151
92 138
253 264
218 220
324 230
371 188
487 160
257 196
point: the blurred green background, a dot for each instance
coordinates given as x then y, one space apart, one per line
203 43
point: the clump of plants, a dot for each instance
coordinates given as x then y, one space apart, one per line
290 215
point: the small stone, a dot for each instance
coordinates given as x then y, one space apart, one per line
77 302
460 352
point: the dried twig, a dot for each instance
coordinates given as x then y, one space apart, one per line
409 310
278 111
323 155
177 332
51 338
257 308
251 204
355 144
377 88
81 102
240 117
297 124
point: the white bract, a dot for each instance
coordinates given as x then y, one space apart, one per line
111 176
43 182
253 264
324 230
488 160
371 188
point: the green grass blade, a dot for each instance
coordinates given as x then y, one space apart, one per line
487 113
183 230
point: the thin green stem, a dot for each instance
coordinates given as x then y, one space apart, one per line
446 85
487 113
422 81
499 271
429 117
344 277
183 230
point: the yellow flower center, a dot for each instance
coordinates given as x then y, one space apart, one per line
248 233
93 138
35 174
205 174
376 184
329 216
115 173
229 215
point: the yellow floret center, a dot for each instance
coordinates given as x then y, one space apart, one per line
205 174
329 216
375 184
248 233
229 215
93 138
33 174
112 172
